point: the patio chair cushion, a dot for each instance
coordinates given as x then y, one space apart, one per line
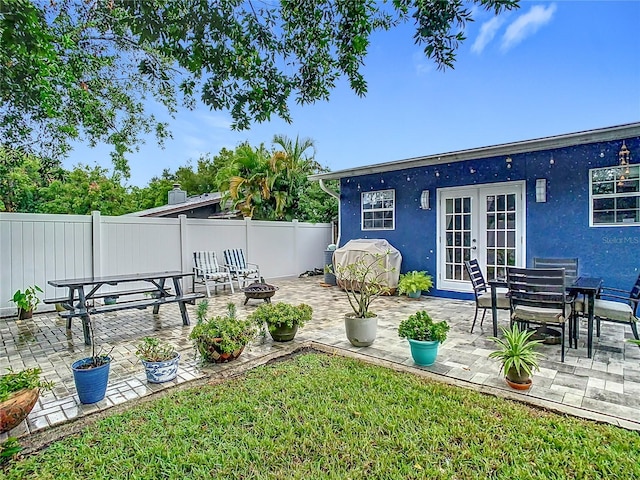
525 313
580 306
615 311
484 300
215 275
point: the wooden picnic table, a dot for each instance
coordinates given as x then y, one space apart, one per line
81 292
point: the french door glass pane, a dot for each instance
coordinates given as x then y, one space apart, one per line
501 233
457 236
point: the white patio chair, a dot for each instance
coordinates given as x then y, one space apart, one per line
207 270
240 269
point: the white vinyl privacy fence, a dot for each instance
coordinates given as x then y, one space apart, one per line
37 248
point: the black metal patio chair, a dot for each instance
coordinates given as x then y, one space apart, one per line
618 306
482 293
538 296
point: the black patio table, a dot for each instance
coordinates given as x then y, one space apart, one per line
587 286
77 301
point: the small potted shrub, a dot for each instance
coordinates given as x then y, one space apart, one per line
414 283
26 301
363 281
282 319
160 359
424 336
221 338
518 356
19 392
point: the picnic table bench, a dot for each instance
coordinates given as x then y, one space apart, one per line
81 292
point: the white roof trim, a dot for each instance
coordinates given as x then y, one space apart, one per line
547 143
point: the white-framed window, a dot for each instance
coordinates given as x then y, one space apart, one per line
615 195
378 210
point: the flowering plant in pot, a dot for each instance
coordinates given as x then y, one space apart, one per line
26 301
424 336
160 360
221 338
282 319
19 392
518 356
363 280
414 283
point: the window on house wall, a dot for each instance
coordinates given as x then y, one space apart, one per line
615 195
378 210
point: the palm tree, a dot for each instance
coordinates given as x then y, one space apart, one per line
291 166
249 180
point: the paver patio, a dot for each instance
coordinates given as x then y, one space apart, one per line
606 387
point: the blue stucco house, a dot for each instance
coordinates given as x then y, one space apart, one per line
573 195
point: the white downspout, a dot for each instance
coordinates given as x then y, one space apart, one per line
335 195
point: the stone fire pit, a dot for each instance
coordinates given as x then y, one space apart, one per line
259 291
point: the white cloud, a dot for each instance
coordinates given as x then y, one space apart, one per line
488 30
421 63
215 121
527 24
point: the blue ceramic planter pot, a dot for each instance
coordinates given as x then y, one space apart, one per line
414 294
91 383
159 372
424 353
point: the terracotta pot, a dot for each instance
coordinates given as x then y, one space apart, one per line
25 314
519 386
211 352
16 408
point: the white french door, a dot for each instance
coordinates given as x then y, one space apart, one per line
486 223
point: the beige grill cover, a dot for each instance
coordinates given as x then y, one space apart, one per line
353 249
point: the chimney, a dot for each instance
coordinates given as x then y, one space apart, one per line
176 195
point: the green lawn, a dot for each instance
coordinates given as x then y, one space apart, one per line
317 416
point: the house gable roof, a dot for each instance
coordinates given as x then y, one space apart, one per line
195 201
546 143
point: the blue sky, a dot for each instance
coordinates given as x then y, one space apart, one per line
548 68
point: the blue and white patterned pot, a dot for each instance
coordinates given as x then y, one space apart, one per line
159 372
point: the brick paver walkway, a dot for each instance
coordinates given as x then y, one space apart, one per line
606 387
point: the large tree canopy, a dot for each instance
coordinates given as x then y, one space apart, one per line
84 69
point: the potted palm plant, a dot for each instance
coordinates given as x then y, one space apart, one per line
414 283
26 301
282 319
160 360
363 280
424 336
19 392
221 338
518 356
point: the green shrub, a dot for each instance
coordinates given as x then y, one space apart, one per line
277 315
151 349
420 326
27 300
516 350
227 332
15 381
414 281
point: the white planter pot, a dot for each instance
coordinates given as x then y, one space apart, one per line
361 332
159 372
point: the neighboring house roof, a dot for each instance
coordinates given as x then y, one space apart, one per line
195 201
559 141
